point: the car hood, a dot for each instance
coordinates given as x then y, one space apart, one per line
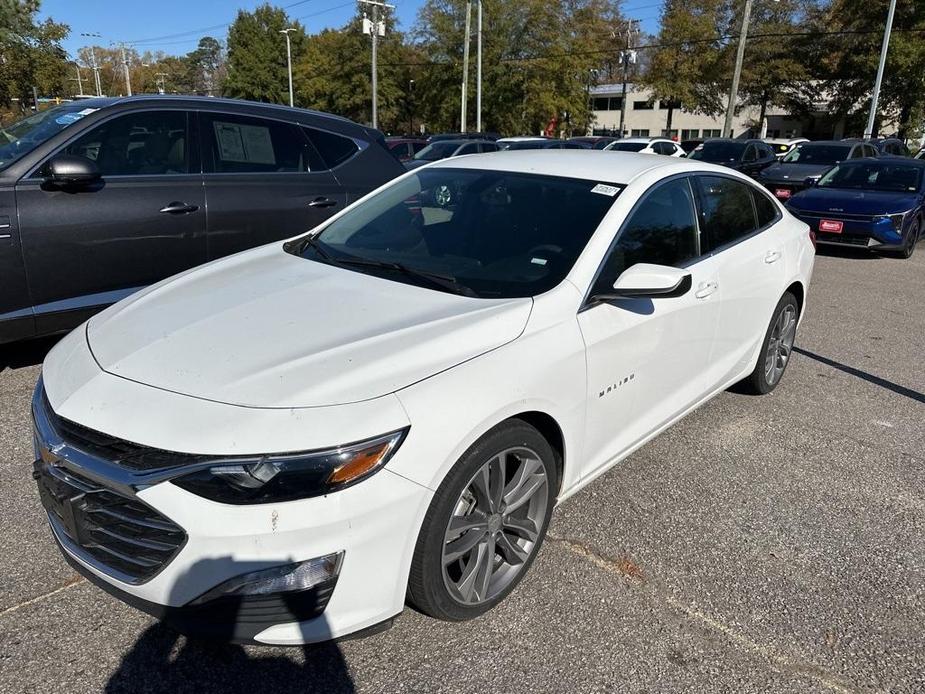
867 202
794 173
269 329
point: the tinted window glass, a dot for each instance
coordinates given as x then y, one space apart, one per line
489 147
628 146
885 175
137 144
241 144
726 211
719 151
751 153
334 149
766 210
660 230
497 233
468 149
810 153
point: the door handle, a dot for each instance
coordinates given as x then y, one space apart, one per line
177 207
705 289
772 257
322 202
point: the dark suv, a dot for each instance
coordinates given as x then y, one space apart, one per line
747 156
101 197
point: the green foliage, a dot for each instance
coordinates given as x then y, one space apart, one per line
257 55
537 61
30 53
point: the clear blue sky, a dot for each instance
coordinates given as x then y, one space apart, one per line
155 25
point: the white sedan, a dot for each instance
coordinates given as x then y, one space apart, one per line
283 446
647 145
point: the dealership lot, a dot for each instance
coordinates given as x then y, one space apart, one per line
763 544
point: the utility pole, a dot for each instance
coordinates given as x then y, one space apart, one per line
79 80
161 80
410 107
125 71
737 73
376 29
465 75
478 70
869 130
95 66
289 60
631 29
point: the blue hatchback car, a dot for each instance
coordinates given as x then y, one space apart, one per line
868 203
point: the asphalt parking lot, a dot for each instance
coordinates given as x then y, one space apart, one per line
772 544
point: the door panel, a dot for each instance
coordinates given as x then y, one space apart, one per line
264 182
86 247
16 320
647 358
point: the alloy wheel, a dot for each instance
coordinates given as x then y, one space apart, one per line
494 526
780 344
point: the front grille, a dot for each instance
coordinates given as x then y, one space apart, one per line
133 456
842 239
119 532
835 215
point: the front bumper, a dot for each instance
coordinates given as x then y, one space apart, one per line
374 523
859 231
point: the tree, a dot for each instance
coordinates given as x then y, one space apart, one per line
846 62
30 53
537 58
257 55
687 66
334 74
207 65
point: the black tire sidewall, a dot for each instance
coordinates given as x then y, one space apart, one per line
426 589
758 379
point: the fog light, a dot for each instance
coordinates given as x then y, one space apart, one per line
278 579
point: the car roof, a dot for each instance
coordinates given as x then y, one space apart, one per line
833 142
889 161
587 164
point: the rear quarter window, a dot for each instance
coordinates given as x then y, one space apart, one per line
334 149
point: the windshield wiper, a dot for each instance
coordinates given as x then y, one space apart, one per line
435 278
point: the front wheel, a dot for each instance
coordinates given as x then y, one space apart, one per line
777 347
485 524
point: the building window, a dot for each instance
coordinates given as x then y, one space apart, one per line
676 105
642 105
691 134
673 134
615 103
639 133
600 103
711 133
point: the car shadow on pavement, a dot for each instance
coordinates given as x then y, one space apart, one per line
864 375
18 355
164 661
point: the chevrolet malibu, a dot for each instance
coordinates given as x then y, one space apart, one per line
286 445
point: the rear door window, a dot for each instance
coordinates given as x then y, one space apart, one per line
244 144
727 212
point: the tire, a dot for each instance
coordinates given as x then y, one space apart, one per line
509 528
914 231
764 379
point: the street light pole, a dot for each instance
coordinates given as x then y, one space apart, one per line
289 61
737 73
478 70
465 75
95 66
869 130
411 107
625 60
374 28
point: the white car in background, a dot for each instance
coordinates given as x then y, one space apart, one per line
783 146
283 446
647 145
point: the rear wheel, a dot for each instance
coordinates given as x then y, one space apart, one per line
776 348
485 524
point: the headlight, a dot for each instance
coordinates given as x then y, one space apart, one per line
285 477
895 219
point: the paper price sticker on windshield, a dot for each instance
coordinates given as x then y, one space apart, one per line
604 189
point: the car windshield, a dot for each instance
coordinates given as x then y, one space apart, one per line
874 175
719 151
818 154
478 233
526 144
437 150
627 146
20 138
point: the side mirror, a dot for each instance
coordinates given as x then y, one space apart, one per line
648 281
71 170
